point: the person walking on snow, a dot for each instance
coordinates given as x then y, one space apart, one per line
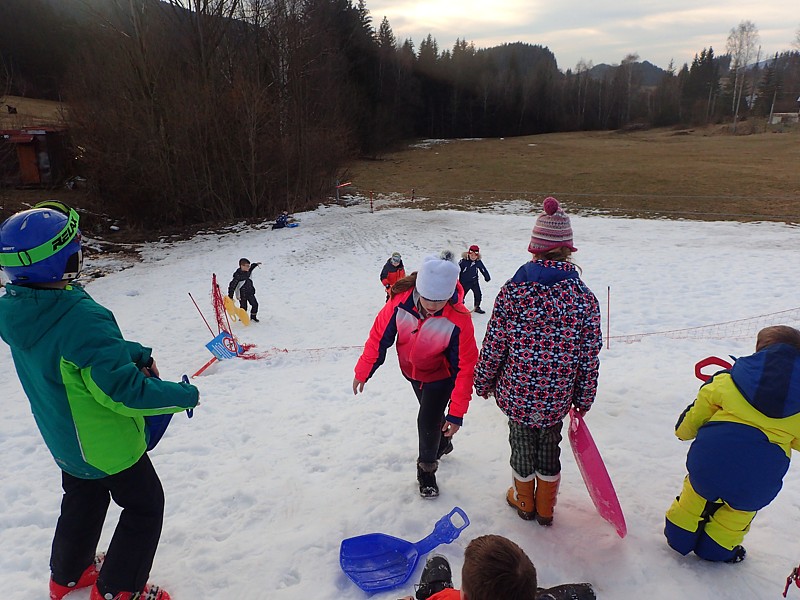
539 358
90 391
392 272
469 265
745 423
437 353
242 287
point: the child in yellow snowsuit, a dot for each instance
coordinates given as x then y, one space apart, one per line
745 423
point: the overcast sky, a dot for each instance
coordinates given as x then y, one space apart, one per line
603 31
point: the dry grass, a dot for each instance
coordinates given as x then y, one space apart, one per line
30 112
701 174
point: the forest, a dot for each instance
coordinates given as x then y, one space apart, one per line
195 111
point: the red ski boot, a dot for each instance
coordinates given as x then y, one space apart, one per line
150 592
87 578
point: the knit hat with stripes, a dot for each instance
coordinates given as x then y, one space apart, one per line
552 230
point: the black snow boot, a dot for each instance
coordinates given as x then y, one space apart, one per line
570 591
739 554
445 446
254 318
426 477
479 310
436 576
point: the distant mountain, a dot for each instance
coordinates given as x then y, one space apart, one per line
522 56
645 72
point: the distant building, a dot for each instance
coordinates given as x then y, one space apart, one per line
33 156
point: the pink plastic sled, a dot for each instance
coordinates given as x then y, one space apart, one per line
594 473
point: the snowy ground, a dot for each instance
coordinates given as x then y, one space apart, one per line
281 462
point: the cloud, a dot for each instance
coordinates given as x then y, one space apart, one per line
599 30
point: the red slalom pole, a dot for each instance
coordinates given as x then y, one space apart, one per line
205 366
201 313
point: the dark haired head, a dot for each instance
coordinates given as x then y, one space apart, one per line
777 334
495 567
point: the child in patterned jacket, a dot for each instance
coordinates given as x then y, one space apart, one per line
539 358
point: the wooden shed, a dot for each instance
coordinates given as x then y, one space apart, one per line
33 156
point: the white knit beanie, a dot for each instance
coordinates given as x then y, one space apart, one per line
437 279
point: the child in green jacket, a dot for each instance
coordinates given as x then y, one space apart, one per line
89 390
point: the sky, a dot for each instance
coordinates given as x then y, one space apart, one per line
281 462
601 31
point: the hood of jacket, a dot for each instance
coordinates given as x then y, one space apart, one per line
770 380
28 314
545 272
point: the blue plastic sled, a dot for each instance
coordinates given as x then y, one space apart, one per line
377 561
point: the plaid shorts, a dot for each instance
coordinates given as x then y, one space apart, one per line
535 450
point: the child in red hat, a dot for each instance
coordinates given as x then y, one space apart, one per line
469 265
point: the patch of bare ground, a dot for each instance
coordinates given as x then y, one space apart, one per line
702 173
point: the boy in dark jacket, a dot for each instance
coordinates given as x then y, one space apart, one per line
89 391
242 287
469 266
745 423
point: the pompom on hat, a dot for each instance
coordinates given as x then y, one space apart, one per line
437 279
552 230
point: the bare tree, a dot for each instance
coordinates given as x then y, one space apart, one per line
582 69
796 42
627 65
741 45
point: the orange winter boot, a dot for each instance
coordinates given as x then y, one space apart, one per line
87 578
521 496
546 493
150 592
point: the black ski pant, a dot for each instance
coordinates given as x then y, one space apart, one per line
433 400
137 490
244 299
475 288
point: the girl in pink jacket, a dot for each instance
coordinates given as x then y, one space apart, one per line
437 353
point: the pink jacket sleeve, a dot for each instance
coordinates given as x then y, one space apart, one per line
381 337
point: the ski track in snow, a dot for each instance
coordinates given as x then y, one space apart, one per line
281 462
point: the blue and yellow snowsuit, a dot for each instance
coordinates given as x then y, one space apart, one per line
745 423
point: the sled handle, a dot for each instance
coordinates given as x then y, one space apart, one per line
575 419
706 362
189 411
445 531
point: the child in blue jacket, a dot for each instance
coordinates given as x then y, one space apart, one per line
745 423
469 265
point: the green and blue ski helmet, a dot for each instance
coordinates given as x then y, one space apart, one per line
42 244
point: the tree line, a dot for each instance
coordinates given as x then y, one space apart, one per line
191 111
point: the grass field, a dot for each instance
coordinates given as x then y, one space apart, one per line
698 174
30 112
